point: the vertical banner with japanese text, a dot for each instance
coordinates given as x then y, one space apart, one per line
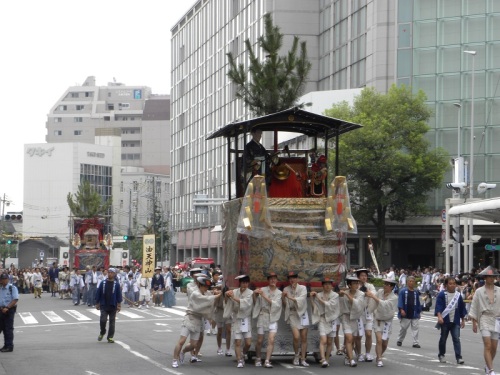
148 255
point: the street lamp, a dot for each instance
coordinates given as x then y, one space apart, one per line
471 163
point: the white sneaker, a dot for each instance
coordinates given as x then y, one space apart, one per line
268 364
228 353
214 331
369 357
220 352
147 306
346 361
353 363
181 357
380 363
303 363
324 363
241 364
296 361
361 358
140 307
441 359
175 364
258 362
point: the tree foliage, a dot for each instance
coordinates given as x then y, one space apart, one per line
390 166
278 82
87 202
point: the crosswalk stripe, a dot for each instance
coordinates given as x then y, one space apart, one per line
28 318
174 311
130 314
77 315
53 317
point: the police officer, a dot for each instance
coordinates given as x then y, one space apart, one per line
9 296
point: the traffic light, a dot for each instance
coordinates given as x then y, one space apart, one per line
126 237
9 242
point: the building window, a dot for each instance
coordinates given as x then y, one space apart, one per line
121 187
135 185
77 132
57 119
80 107
121 203
63 107
78 119
107 118
57 132
89 94
75 95
123 105
111 107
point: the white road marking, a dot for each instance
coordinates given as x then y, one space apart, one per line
174 311
53 317
130 314
28 318
142 356
77 315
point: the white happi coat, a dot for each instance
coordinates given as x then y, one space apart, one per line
266 312
199 306
370 304
239 311
325 313
482 310
356 310
298 307
386 307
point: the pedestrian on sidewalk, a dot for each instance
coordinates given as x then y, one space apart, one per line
108 299
409 309
450 311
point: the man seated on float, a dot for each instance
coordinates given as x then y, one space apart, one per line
257 159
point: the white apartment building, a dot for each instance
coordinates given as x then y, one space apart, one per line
351 44
133 127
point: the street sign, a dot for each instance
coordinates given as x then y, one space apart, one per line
443 216
492 247
42 254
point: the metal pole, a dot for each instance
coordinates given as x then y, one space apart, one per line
471 173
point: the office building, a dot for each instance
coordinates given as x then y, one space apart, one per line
351 44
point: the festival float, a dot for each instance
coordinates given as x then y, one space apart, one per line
290 218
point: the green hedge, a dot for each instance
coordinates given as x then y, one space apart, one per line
380 282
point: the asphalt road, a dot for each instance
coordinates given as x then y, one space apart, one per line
53 335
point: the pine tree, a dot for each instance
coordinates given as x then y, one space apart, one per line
276 83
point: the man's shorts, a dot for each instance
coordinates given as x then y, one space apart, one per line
491 334
195 336
349 326
296 321
242 335
262 330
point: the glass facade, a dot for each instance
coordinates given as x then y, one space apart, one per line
432 38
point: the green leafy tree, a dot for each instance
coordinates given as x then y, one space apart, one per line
276 83
390 166
87 203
